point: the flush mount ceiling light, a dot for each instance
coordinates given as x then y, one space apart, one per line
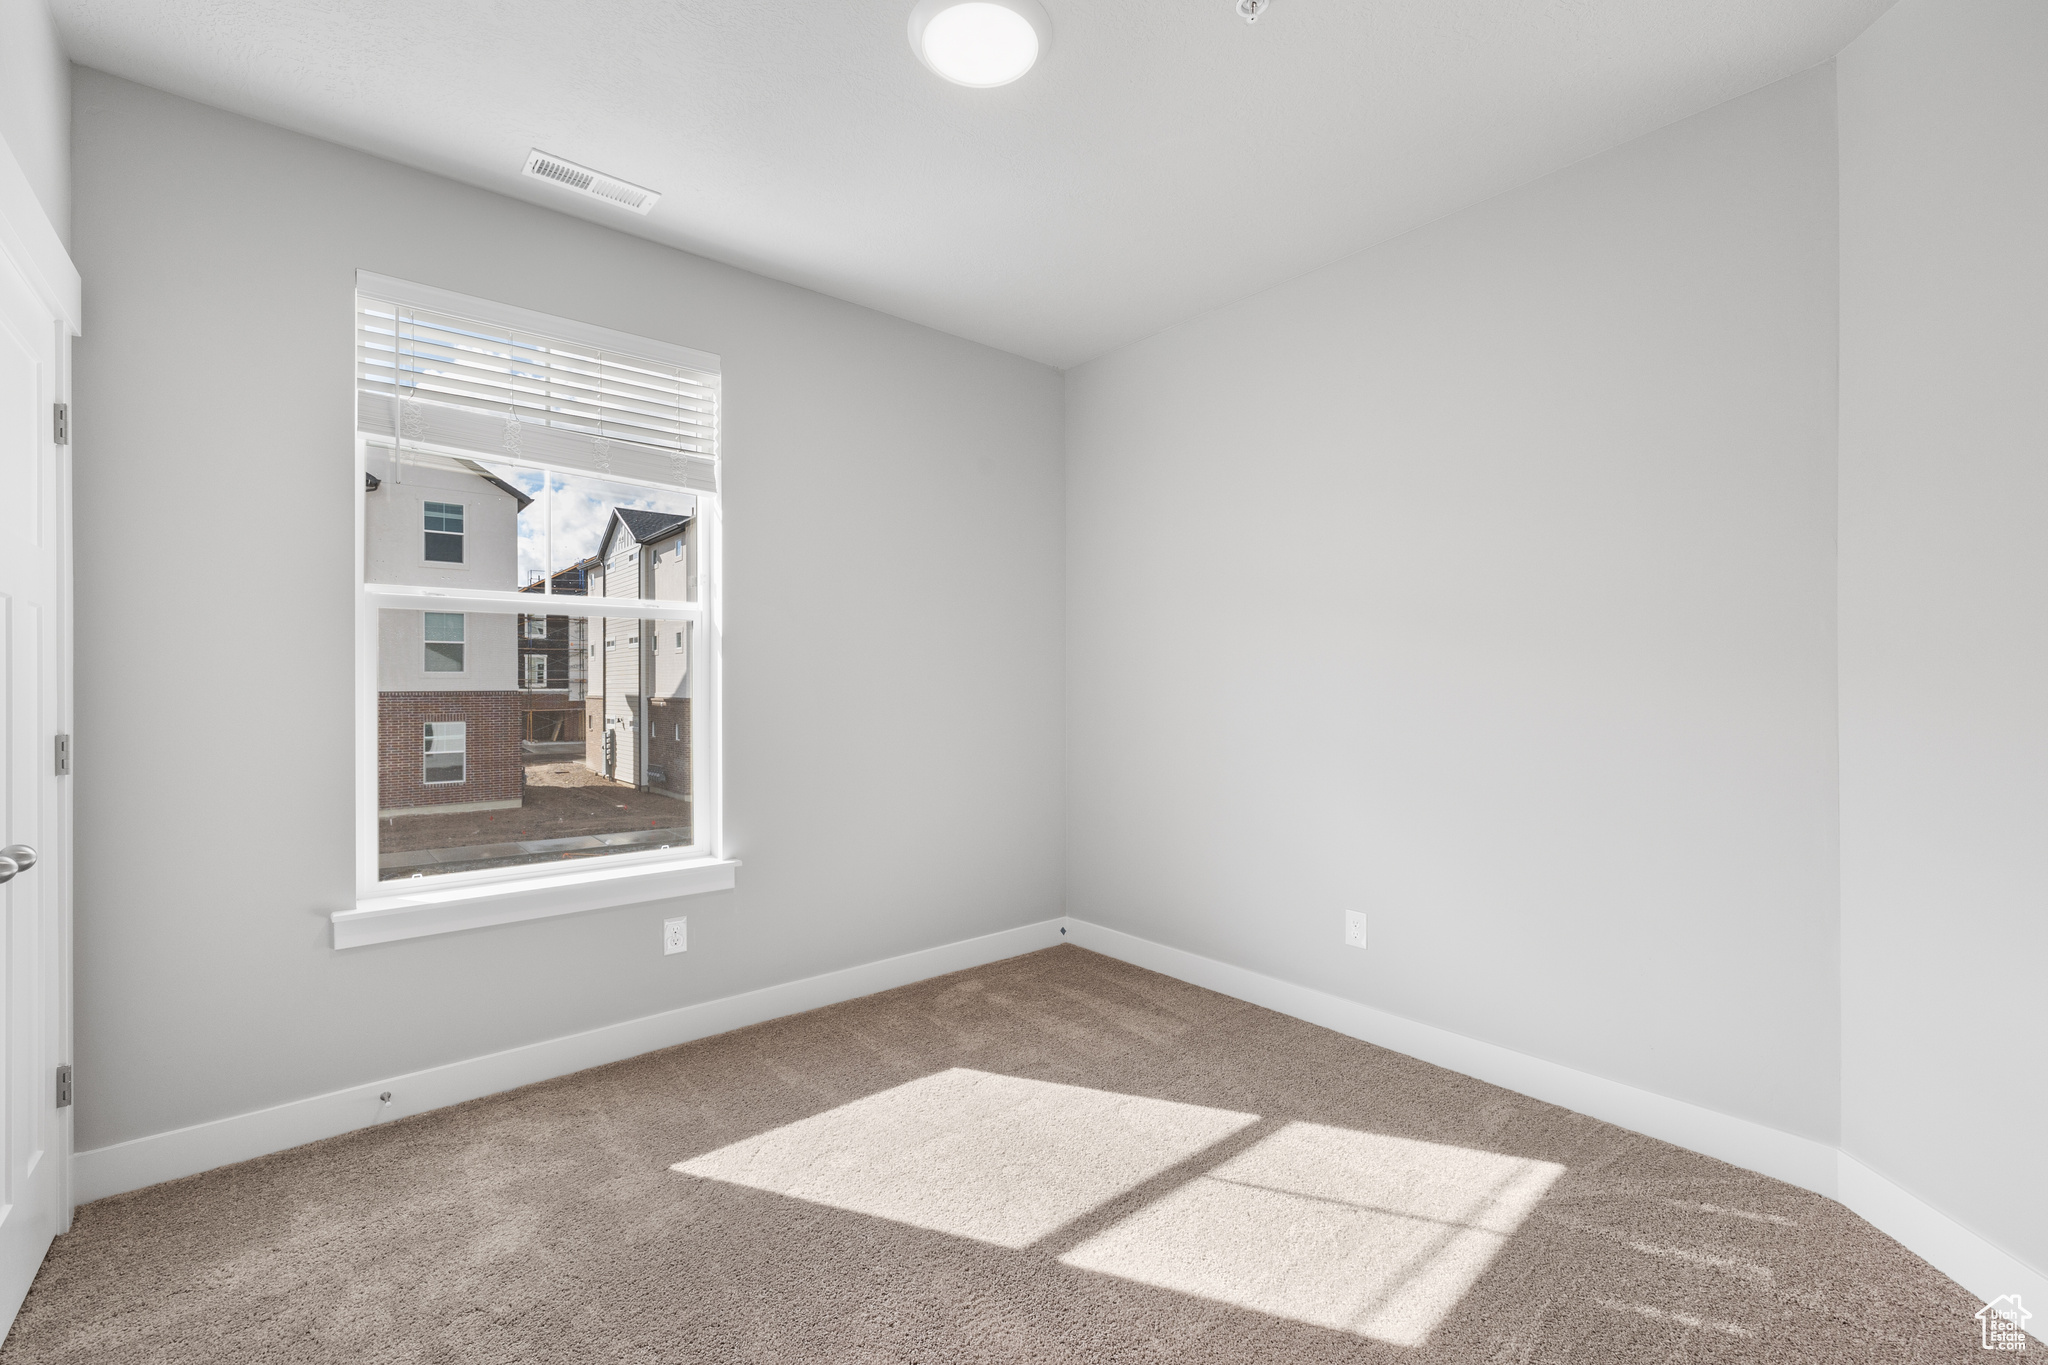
979 43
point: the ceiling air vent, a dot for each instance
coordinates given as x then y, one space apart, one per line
583 180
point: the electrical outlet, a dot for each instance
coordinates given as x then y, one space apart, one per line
1354 928
675 936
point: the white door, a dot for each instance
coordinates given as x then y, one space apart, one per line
35 1134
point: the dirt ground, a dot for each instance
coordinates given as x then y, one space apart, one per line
563 798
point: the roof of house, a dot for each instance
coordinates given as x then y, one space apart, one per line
645 526
371 483
642 525
490 478
580 566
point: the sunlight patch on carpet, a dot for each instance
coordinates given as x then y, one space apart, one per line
1369 1234
999 1159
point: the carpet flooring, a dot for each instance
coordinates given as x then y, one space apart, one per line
1055 1158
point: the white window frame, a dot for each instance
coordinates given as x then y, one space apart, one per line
527 670
387 911
462 511
536 628
428 749
426 645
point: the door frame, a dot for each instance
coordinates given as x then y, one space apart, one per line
31 248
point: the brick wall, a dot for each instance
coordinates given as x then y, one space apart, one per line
495 772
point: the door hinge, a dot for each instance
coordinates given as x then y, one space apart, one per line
60 423
63 755
63 1087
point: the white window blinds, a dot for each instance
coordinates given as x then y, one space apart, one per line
435 368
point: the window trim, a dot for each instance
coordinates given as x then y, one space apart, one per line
426 644
462 536
387 911
603 884
427 751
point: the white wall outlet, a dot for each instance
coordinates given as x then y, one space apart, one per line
1354 928
675 936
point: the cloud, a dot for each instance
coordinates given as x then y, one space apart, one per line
582 507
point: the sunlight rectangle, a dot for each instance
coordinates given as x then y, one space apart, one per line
1375 1235
999 1159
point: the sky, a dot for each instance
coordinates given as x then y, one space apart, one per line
582 506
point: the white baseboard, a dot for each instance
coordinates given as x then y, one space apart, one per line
186 1151
1986 1270
1965 1257
1753 1146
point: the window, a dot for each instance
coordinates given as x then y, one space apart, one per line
445 644
444 533
527 451
446 759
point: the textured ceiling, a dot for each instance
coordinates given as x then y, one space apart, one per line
1164 157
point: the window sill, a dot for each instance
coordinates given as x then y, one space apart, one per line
447 910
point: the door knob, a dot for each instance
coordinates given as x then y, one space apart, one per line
15 858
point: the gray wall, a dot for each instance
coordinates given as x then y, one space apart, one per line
1485 581
893 650
1944 131
35 105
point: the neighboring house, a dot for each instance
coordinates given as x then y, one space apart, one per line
637 723
554 666
448 695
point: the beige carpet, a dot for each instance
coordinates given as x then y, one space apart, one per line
1054 1158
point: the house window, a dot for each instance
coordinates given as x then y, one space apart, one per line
444 533
447 759
461 409
445 643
